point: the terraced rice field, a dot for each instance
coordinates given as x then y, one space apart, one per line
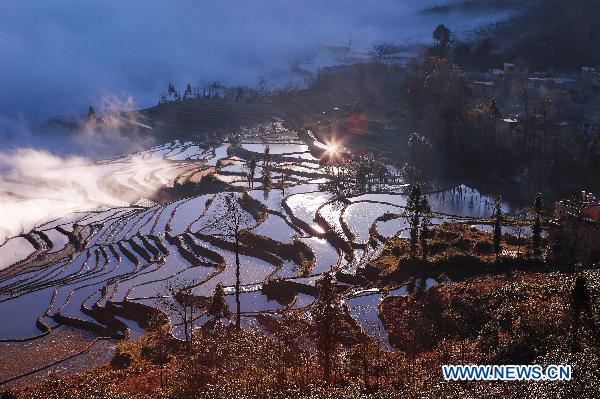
90 266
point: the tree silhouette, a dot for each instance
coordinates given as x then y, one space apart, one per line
419 152
91 117
251 171
425 223
266 168
498 216
581 313
412 214
178 299
411 285
188 93
218 305
443 38
159 350
232 224
172 92
327 313
536 226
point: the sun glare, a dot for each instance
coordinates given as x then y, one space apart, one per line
332 148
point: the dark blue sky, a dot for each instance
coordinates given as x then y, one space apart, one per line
56 57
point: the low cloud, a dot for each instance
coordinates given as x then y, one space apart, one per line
50 173
57 57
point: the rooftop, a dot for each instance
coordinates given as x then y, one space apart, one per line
585 205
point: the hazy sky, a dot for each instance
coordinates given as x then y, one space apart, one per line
58 56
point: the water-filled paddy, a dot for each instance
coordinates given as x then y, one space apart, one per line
122 252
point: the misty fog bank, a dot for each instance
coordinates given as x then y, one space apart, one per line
59 57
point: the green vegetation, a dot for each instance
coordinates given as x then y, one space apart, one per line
209 184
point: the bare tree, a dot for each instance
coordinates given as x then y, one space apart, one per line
232 226
382 53
178 301
251 166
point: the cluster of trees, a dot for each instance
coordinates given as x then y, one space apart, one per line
548 156
297 355
461 128
488 320
559 35
266 169
534 223
465 129
356 176
418 216
382 53
179 298
419 158
216 89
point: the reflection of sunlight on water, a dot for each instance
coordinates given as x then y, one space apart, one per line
332 149
318 228
305 205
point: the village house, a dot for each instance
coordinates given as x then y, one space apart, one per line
576 226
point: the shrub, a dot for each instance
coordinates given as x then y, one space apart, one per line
483 247
123 358
8 394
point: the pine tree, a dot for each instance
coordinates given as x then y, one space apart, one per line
171 91
91 117
497 240
188 93
412 215
443 38
425 223
581 313
327 314
218 306
536 226
266 168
